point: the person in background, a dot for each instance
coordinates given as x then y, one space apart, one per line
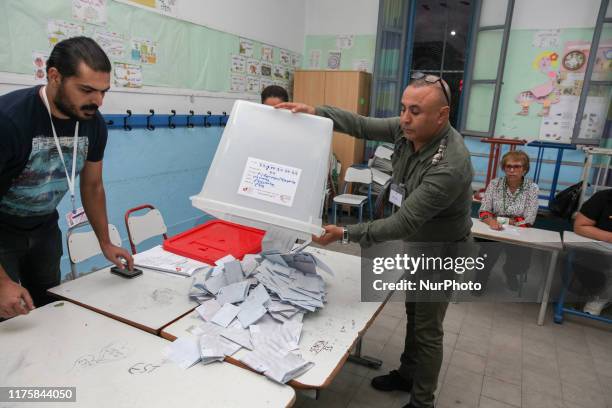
594 220
273 95
49 135
513 198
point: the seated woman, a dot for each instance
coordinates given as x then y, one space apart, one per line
515 198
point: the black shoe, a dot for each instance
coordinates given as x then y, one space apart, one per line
391 382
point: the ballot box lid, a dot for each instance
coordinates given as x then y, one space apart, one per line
214 240
270 170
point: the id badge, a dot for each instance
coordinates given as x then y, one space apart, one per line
396 194
76 217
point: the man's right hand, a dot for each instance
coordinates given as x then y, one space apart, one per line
14 299
296 107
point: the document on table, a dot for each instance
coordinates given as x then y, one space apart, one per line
161 260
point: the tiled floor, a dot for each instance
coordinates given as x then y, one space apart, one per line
495 356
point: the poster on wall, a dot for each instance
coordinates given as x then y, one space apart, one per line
167 6
112 43
253 66
266 69
238 64
253 84
314 60
267 53
127 75
245 47
89 11
58 30
558 126
361 65
546 38
265 82
237 83
344 42
144 51
278 72
285 57
333 59
39 61
295 60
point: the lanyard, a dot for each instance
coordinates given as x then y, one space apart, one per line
59 150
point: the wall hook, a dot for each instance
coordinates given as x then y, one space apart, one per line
206 123
223 122
189 122
150 126
126 126
171 125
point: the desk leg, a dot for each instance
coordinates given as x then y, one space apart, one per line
546 294
357 358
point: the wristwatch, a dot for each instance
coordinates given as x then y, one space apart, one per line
345 236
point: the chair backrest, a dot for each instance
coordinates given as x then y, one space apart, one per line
383 152
85 245
143 227
355 175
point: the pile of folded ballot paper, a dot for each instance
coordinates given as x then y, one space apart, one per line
254 306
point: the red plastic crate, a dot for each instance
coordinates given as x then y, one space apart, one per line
216 239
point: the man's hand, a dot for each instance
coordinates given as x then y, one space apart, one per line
14 299
115 254
296 107
332 233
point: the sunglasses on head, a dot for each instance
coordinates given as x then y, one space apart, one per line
432 79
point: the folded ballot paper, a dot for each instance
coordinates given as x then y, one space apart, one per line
257 304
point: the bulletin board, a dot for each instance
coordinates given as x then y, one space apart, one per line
146 48
542 84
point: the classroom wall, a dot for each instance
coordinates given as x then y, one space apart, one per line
217 28
328 21
575 22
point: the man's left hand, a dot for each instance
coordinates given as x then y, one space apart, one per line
332 233
115 254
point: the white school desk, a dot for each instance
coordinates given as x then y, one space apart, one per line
531 237
114 365
330 333
570 237
149 302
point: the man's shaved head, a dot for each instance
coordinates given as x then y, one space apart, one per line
418 83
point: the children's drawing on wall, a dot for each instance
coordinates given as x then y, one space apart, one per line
144 51
246 47
39 60
314 62
333 59
267 53
58 30
545 94
559 125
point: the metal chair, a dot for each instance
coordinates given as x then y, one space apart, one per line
84 245
354 175
145 226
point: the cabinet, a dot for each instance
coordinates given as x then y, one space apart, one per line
348 90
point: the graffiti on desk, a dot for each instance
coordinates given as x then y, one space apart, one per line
143 368
112 352
321 345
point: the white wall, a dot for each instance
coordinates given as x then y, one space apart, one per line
276 22
550 14
333 17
